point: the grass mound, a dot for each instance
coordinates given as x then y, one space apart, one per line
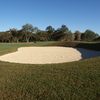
90 46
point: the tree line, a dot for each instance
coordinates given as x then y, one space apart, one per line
28 33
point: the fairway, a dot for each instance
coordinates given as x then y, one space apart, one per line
77 80
11 47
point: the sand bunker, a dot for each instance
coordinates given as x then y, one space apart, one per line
48 55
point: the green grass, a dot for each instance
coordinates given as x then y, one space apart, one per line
87 45
79 80
11 47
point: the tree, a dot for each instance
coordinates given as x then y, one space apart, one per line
17 35
42 35
78 35
50 31
89 35
69 36
28 30
8 36
62 33
58 35
97 39
64 29
2 36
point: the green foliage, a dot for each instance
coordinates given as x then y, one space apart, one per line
42 36
28 30
70 36
58 36
64 29
89 35
28 33
50 30
17 35
60 33
63 34
97 39
78 35
2 36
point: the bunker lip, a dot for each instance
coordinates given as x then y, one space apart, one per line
48 55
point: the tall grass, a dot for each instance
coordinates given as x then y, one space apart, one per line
79 80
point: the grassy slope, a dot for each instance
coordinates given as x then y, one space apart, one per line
91 46
78 80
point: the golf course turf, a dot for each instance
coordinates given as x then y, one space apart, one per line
78 80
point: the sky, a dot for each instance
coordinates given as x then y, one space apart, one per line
75 14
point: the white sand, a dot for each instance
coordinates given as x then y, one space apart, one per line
48 55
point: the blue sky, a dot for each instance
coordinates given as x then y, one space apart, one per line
75 14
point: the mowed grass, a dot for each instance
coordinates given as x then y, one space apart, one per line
79 80
87 45
12 47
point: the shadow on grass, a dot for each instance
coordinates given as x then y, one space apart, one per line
90 46
86 54
88 50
